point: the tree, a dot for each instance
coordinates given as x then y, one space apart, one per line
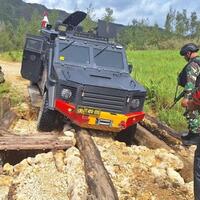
88 23
169 23
20 34
193 24
34 24
182 23
108 16
185 21
198 31
125 36
140 23
53 17
6 36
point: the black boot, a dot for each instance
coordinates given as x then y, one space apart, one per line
191 138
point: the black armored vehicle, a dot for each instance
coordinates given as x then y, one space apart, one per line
81 77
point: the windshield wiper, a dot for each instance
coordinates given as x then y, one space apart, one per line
101 51
67 46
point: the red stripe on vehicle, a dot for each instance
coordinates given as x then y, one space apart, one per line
69 110
133 118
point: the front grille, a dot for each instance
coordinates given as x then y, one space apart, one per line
104 102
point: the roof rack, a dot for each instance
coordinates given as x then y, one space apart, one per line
90 36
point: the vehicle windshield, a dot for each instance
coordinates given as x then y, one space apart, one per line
74 54
108 59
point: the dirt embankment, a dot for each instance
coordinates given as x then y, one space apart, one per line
138 173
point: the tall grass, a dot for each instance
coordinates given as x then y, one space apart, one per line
157 71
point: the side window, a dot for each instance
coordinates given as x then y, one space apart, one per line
33 44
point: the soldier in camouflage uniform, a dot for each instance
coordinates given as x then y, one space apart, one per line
190 76
2 80
191 101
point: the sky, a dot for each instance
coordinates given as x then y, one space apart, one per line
125 10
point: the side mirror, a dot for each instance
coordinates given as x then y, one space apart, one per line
130 68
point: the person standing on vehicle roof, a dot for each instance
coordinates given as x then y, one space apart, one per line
189 78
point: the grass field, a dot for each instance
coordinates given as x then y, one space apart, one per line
157 71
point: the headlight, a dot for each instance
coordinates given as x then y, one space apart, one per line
135 103
66 94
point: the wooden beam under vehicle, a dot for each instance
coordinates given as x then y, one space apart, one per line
99 182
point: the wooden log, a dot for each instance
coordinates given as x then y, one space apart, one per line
8 119
34 142
144 137
4 131
162 131
4 106
98 179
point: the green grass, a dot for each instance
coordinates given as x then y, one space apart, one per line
157 71
6 90
14 56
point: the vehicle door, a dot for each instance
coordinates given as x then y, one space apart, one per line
32 63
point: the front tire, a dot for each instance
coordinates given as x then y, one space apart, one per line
127 135
46 118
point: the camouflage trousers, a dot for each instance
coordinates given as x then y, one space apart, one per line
193 120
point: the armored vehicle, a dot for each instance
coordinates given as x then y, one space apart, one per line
81 77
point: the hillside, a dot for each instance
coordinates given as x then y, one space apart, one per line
12 10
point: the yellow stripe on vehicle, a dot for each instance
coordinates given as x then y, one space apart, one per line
115 118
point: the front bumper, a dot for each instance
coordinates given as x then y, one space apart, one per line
105 121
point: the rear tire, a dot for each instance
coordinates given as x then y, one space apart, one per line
127 135
47 119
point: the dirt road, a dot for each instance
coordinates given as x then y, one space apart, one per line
10 69
28 116
12 74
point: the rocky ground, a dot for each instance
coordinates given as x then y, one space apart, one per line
58 175
137 172
140 173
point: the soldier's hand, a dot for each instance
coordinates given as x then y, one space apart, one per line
189 104
185 103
